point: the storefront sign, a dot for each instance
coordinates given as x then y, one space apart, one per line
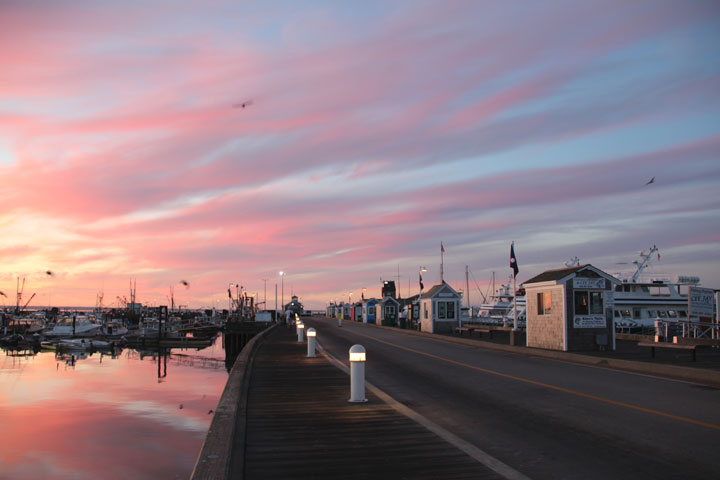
594 283
701 302
589 321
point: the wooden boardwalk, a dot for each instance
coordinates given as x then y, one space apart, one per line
301 425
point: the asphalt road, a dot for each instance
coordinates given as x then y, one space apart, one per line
545 418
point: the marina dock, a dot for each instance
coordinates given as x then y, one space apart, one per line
301 425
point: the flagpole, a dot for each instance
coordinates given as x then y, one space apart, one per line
442 263
515 327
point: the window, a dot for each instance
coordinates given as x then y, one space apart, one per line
389 310
591 303
450 310
416 311
544 301
662 314
672 313
425 310
581 303
637 313
441 310
652 313
682 313
371 310
596 303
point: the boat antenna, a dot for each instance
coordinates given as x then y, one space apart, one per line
644 262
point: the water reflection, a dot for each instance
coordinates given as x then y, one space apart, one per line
123 414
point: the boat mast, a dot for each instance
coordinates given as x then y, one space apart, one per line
467 289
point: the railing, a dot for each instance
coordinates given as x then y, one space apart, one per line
686 328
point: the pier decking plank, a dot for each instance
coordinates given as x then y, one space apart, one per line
301 425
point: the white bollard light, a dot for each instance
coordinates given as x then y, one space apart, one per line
339 321
311 334
357 374
300 330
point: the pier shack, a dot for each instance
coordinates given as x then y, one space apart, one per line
389 308
440 309
369 308
571 309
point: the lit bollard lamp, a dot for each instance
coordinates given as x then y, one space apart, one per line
300 330
339 321
311 334
357 374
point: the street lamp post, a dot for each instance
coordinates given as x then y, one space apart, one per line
419 315
282 291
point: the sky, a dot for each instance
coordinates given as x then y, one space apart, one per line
372 131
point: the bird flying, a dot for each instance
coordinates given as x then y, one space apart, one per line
183 282
243 104
652 180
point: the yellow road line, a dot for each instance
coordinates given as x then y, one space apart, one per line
551 387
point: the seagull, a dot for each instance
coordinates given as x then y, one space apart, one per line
652 180
183 282
209 412
181 406
243 104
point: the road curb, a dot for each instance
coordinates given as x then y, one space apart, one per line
687 374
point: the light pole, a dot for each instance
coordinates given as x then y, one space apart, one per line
282 291
419 315
265 294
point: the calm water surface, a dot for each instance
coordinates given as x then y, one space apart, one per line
135 415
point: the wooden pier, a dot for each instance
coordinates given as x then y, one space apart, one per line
298 423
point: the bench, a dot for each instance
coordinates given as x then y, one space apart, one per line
677 346
470 330
460 330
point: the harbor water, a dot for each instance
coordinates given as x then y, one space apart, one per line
136 414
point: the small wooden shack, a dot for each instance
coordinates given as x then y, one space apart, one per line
439 309
571 309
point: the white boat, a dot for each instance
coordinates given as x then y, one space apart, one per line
83 327
500 310
113 328
641 299
83 344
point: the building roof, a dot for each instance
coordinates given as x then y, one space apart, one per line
436 288
563 273
554 275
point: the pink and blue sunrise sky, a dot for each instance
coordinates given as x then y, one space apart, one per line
377 130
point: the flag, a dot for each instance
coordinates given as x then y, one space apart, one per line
442 249
362 295
658 257
513 260
229 293
421 284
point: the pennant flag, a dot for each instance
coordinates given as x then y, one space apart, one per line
658 257
362 296
442 249
513 260
422 287
229 293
